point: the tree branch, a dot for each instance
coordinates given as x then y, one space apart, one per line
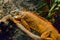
21 27
35 37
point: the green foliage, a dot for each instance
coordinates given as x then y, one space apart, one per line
50 9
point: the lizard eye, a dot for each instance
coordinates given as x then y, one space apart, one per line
17 17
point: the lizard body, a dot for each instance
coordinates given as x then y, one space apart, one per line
39 24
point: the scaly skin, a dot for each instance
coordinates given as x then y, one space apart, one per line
39 24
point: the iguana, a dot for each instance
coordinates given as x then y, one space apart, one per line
37 23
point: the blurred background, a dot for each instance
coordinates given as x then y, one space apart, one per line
49 9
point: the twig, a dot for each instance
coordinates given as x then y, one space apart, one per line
49 14
5 18
52 7
28 33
